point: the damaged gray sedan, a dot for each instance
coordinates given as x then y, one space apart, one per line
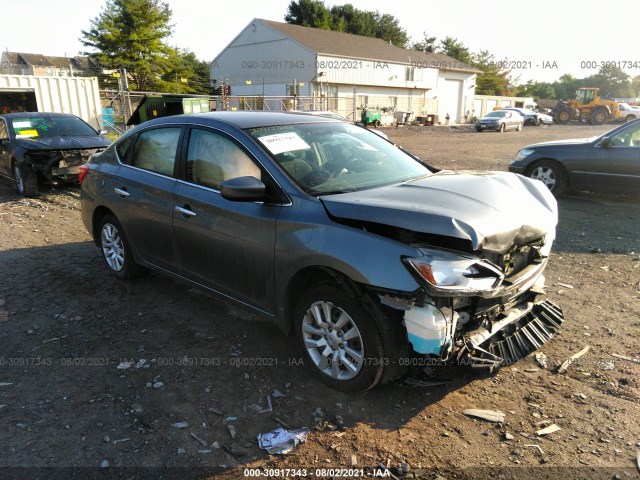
367 257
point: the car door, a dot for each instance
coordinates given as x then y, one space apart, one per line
141 194
616 162
509 120
225 245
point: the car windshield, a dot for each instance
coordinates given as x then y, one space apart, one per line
498 113
327 158
46 127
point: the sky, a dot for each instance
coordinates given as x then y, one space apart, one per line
540 40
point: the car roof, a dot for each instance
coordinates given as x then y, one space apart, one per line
36 114
243 119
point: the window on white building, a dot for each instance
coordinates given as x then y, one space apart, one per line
409 73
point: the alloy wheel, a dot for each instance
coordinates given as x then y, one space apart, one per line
112 247
546 175
333 341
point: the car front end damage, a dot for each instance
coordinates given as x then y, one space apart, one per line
488 310
481 243
58 166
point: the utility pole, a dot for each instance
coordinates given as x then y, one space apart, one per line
123 83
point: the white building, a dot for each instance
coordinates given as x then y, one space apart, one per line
341 72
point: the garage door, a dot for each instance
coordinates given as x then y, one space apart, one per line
450 100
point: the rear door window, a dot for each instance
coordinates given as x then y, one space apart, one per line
155 150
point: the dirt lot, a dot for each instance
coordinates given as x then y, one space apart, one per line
153 374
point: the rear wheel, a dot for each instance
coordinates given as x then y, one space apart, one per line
630 118
115 248
519 127
26 180
551 174
376 123
341 338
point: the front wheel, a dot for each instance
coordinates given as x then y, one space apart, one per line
563 116
598 116
503 127
551 174
26 180
115 249
341 339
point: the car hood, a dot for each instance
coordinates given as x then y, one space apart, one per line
573 141
492 210
62 143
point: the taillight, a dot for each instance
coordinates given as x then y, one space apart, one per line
82 172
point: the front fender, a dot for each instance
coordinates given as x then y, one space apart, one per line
364 257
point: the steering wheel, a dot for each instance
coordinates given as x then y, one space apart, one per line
347 167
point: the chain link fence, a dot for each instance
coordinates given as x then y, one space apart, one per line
118 106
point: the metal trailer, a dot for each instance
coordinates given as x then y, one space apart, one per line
76 95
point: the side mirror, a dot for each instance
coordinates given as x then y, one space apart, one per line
605 142
243 189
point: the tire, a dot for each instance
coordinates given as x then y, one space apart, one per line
26 180
519 127
115 249
479 130
324 317
563 116
503 127
376 123
630 118
598 116
551 174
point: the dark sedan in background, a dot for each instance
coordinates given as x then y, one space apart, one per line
370 256
38 147
610 162
530 117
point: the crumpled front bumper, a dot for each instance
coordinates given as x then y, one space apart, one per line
520 333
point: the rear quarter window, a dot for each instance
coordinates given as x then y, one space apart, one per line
4 133
123 148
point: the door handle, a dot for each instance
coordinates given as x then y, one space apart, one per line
185 211
121 192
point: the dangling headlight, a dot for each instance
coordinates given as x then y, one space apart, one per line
453 274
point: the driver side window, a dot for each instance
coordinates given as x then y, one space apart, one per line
629 137
212 159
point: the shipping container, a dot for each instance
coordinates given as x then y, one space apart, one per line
28 93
